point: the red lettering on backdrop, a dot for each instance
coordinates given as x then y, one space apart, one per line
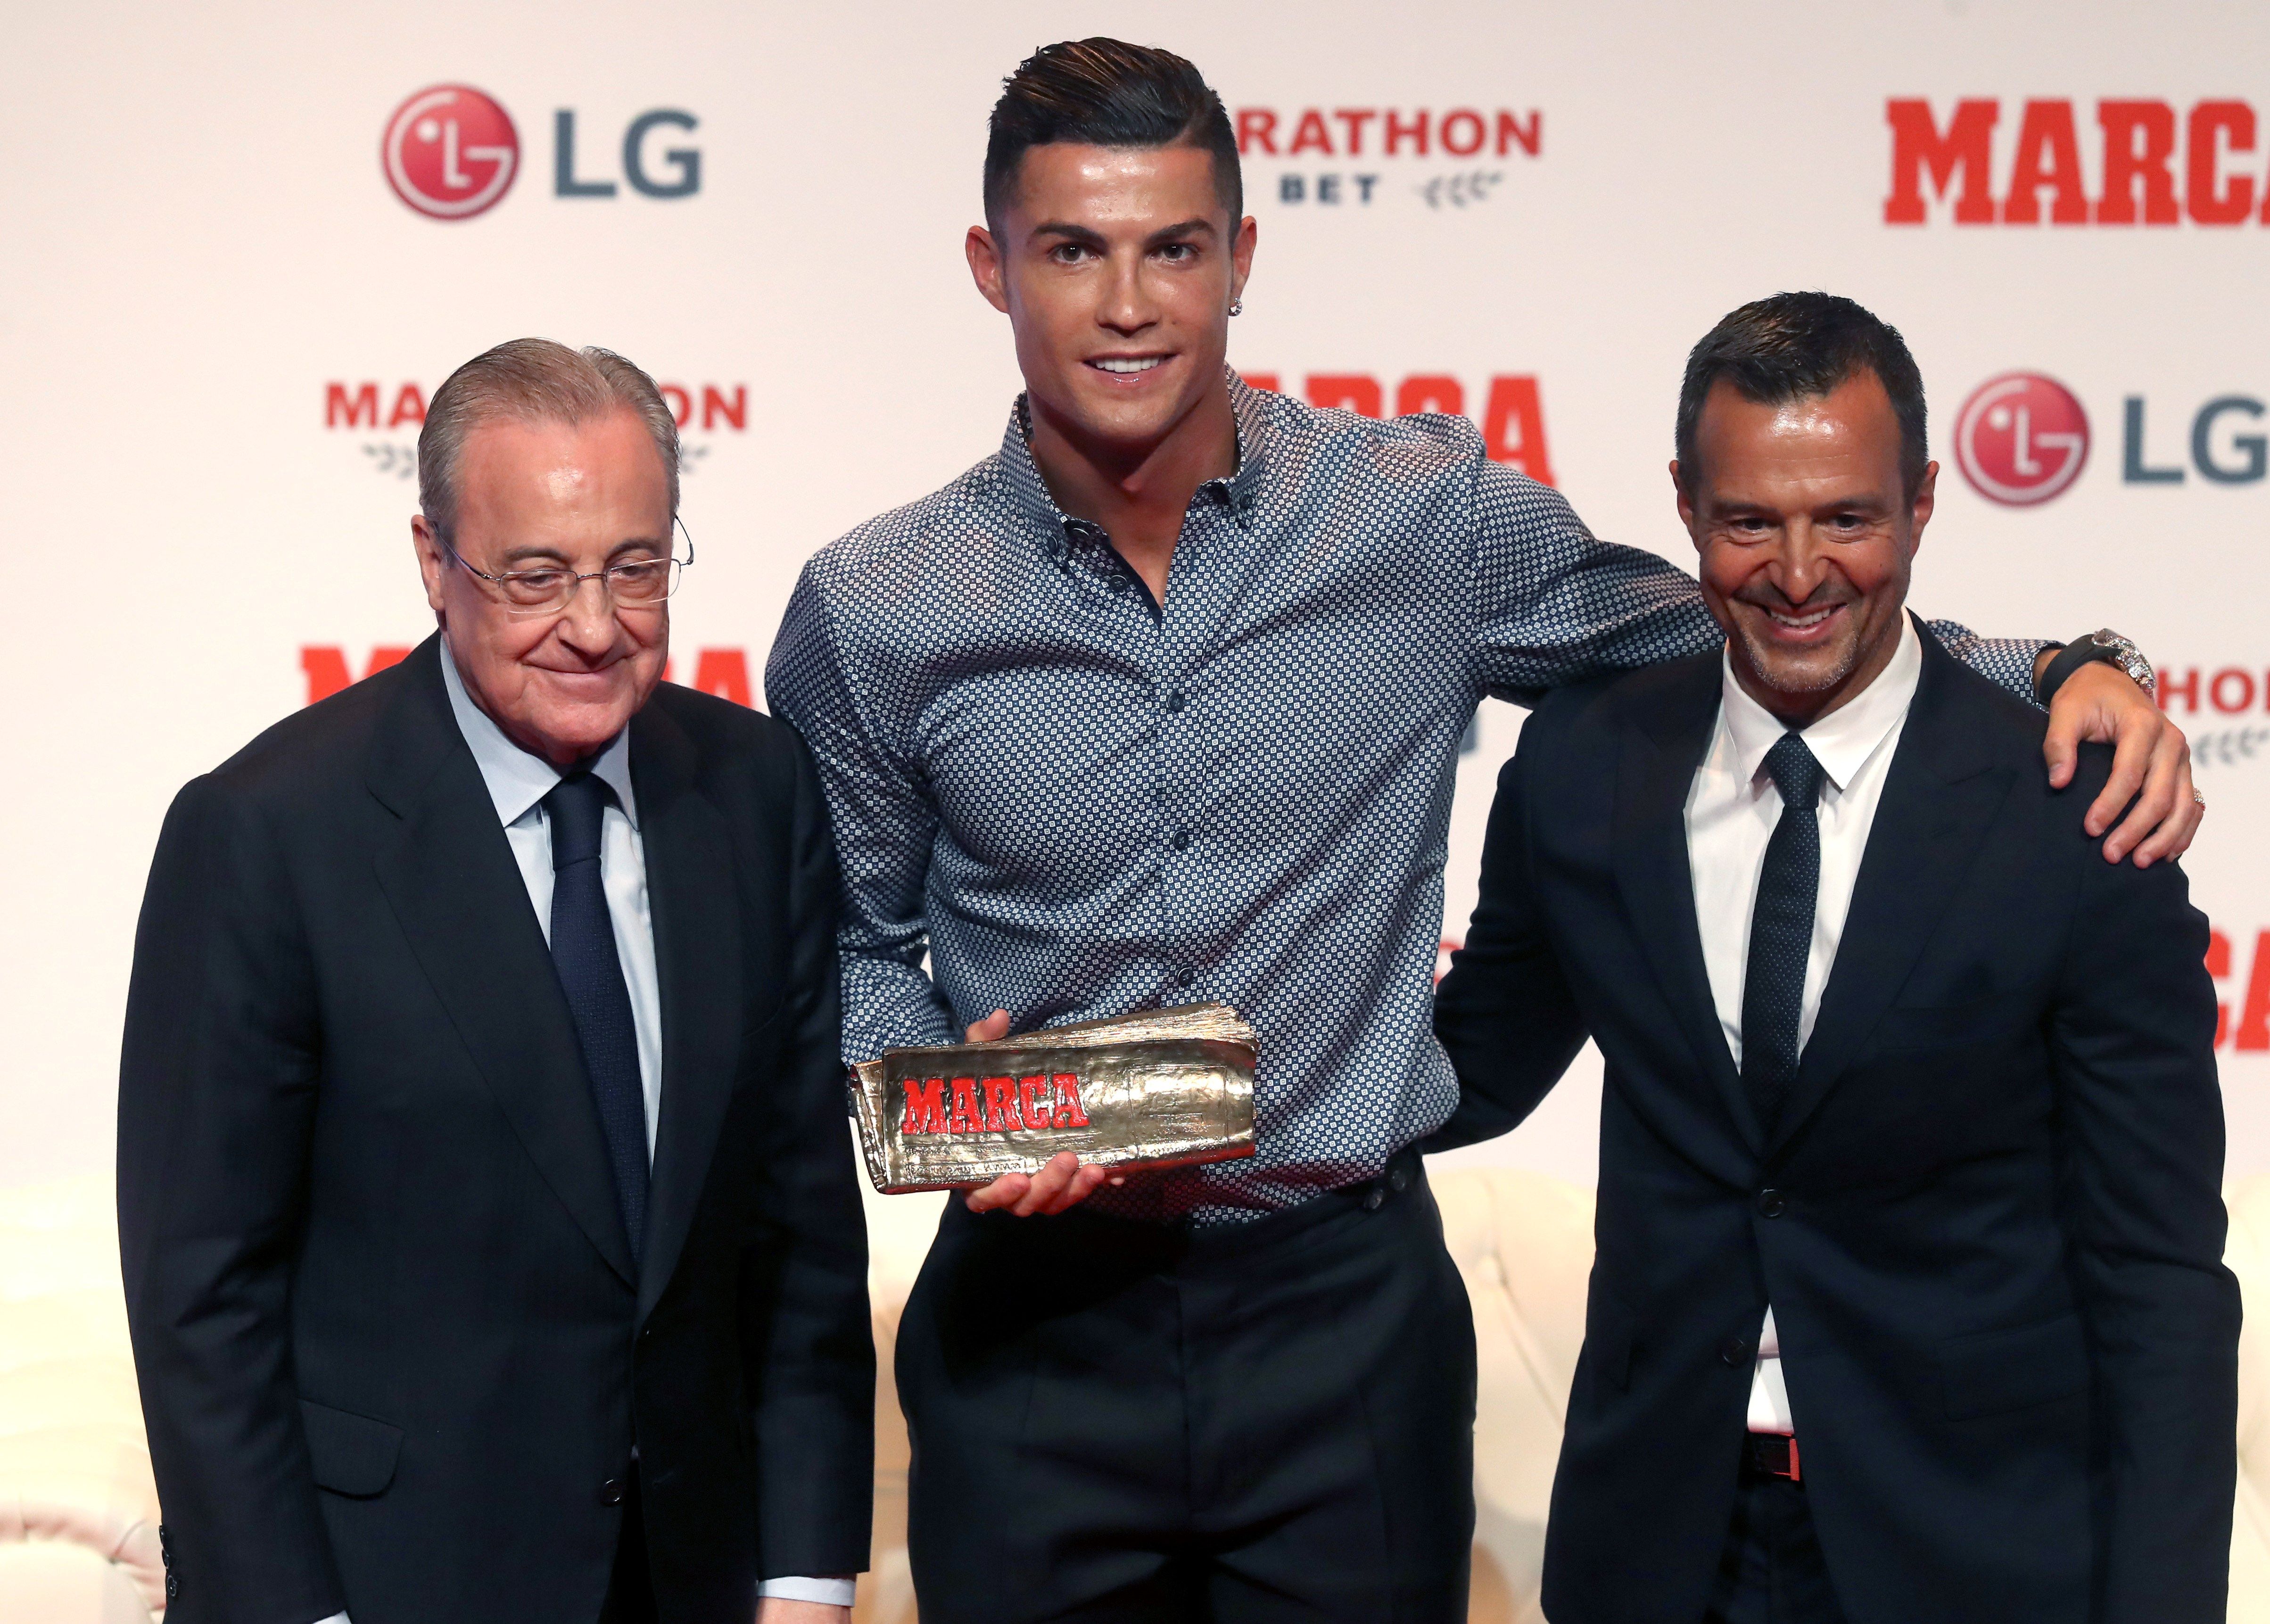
2049 155
1462 119
1513 428
1429 392
1310 135
1510 131
340 410
2170 686
1033 1101
2245 690
714 405
2254 1016
1351 389
2139 139
2218 966
326 667
1069 1114
723 673
681 403
1398 130
965 1115
1355 119
409 406
1256 127
1259 380
2211 202
925 1106
1965 151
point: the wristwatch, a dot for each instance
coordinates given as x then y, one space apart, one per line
2104 644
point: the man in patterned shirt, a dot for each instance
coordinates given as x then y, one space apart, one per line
1162 703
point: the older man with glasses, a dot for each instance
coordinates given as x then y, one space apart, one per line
491 1239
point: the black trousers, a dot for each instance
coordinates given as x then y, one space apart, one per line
1773 1572
1267 1421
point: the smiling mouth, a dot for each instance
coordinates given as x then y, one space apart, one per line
1123 365
1806 621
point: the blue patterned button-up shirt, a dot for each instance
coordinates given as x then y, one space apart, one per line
1082 803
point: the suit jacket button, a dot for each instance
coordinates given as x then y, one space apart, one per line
1398 1181
1770 1204
1736 1351
1377 1199
610 1492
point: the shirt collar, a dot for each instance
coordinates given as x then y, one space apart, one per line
516 779
1842 740
1030 492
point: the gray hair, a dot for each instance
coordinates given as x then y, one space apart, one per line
532 381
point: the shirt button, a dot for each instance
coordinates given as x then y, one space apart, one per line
1185 978
1770 1204
1174 700
1182 840
1736 1351
610 1492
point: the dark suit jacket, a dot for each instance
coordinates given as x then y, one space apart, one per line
394 1351
1988 1222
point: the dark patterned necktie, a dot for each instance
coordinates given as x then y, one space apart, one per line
1780 931
591 975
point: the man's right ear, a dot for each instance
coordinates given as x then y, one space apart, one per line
985 257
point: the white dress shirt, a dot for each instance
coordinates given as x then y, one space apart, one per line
517 783
1730 813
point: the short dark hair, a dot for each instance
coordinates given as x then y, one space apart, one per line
1793 347
1106 93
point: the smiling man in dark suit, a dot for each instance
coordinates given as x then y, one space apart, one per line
491 1243
1908 1302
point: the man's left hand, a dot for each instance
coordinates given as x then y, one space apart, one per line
781 1610
2151 764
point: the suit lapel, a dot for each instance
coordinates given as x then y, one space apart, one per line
1940 794
693 900
1661 751
449 875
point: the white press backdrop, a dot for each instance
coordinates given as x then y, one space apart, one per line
202 242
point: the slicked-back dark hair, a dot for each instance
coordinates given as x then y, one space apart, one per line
1796 346
1106 93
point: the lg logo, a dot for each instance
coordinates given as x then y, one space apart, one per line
452 151
2021 439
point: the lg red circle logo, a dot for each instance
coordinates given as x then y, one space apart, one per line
450 153
2021 439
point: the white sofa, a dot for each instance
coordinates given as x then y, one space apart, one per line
79 1515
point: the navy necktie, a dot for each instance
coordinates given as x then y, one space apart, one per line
1780 931
591 975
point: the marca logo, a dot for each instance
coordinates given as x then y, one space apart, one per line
451 152
1512 417
2020 439
2138 178
993 1104
1373 136
721 672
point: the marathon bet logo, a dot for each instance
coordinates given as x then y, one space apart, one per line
1356 156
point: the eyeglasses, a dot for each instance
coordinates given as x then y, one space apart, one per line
635 583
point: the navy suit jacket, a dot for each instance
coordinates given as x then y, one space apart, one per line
1988 1220
394 1352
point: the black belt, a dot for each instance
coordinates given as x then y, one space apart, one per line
1770 1454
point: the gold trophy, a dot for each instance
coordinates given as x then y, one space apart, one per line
1160 1088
